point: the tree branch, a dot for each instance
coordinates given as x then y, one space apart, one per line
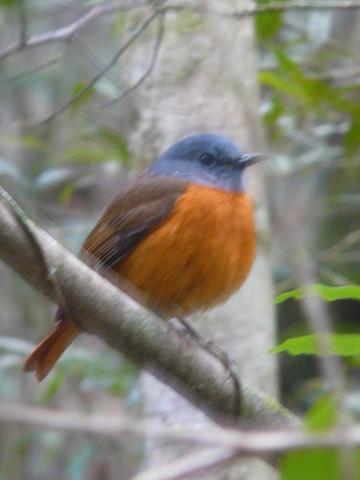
276 5
194 463
244 443
104 70
65 33
150 68
99 10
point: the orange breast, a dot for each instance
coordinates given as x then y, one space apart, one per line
198 256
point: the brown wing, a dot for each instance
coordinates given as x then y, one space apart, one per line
129 217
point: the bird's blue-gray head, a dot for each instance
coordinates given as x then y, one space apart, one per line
206 159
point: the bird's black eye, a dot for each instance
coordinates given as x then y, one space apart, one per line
207 159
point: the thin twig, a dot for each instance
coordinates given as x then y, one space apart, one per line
346 242
150 68
318 319
22 23
66 33
245 442
39 68
333 277
98 64
189 465
102 72
93 59
256 8
97 11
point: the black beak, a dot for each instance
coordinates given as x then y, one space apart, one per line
249 159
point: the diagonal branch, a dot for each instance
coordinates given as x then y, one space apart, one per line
103 71
22 23
150 68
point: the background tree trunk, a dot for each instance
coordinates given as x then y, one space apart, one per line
205 81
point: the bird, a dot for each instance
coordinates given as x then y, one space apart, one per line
182 233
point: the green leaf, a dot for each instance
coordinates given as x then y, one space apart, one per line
30 141
96 372
321 463
83 98
274 111
116 141
344 344
297 346
325 292
96 147
118 26
322 414
352 138
66 193
53 384
267 24
282 85
314 464
7 3
290 80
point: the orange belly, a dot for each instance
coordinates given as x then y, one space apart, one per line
198 256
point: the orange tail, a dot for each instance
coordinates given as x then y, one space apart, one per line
48 352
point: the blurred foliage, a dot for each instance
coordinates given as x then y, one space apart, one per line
309 69
92 371
81 377
323 291
321 463
267 24
312 96
339 344
82 93
311 114
309 75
